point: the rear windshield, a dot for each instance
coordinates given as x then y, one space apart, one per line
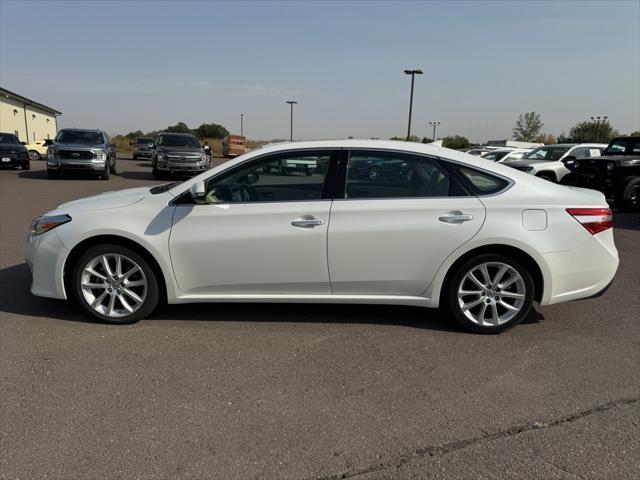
547 153
8 138
178 141
79 136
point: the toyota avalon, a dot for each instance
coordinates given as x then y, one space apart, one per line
478 238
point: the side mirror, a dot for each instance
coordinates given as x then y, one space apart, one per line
198 192
23 143
152 146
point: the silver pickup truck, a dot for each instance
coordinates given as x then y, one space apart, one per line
176 153
81 151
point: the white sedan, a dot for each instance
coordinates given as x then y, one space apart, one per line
437 227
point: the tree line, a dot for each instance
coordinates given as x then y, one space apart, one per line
528 128
206 130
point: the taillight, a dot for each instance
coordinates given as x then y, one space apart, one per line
595 220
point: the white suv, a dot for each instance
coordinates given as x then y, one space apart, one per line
546 161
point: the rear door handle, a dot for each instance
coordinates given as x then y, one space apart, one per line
307 221
455 217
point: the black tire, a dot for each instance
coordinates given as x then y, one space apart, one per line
629 201
113 168
550 177
33 155
455 283
107 172
152 294
26 165
53 174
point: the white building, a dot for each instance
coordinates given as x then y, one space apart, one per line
29 120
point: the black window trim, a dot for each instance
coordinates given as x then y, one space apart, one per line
327 190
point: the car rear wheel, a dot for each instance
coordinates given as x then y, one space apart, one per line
115 284
33 155
490 293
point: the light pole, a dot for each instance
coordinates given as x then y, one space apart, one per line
242 124
413 74
597 122
292 103
434 125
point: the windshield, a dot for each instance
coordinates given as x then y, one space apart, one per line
79 136
547 153
144 141
178 141
495 156
8 138
620 146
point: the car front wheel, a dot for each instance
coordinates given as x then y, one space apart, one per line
115 284
33 155
490 293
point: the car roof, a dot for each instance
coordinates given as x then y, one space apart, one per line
178 134
96 130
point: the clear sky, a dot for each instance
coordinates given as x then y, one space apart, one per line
123 66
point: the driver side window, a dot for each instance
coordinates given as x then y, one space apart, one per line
286 177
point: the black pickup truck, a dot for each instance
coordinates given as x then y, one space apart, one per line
616 173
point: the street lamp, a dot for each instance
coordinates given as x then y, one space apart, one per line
597 122
434 125
413 74
242 124
292 103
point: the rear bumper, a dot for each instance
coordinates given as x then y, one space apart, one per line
581 273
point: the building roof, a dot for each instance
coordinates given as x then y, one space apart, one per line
7 93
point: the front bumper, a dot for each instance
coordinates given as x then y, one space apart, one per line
77 166
45 255
183 167
12 161
590 180
142 153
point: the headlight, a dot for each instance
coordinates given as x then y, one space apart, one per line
43 224
51 153
204 157
99 154
576 164
162 158
611 166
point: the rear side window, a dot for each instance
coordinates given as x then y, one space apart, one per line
482 183
376 174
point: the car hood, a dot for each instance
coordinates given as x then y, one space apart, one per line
78 146
179 150
12 147
103 201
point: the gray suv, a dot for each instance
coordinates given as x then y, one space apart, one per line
175 153
82 151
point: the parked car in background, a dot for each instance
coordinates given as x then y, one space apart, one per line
177 153
616 173
77 150
38 150
505 154
476 237
142 147
477 151
546 161
12 152
233 145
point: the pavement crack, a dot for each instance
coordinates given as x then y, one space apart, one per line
438 450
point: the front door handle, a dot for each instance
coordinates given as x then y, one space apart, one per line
307 221
455 217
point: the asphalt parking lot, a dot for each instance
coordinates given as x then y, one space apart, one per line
308 391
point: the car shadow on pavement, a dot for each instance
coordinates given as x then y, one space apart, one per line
42 175
18 300
626 221
137 175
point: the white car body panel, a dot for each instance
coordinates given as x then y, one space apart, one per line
368 251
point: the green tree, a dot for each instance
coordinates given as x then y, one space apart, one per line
588 131
136 134
456 142
412 138
426 140
528 127
545 138
635 134
211 130
180 127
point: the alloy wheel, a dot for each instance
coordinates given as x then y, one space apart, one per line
491 294
113 285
